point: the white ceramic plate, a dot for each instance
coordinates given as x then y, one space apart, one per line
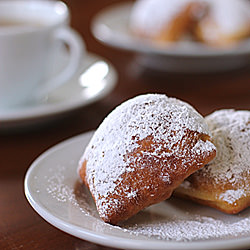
111 26
95 79
53 189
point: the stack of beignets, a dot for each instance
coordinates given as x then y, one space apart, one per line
141 152
225 182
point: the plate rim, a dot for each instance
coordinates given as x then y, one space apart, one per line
102 238
149 48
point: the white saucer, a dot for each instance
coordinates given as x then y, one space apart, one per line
95 79
53 189
111 26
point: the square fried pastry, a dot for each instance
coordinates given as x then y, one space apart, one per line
224 183
141 151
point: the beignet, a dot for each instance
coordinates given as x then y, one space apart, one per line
224 183
165 21
141 151
218 23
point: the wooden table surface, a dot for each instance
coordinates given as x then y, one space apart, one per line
20 226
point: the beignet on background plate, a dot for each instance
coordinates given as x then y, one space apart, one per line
166 21
218 23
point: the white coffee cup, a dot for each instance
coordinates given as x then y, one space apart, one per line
31 33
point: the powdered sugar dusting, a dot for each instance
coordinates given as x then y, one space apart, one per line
172 226
231 196
163 118
231 134
229 16
58 188
197 228
173 220
151 16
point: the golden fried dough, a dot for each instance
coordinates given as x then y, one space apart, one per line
225 182
142 151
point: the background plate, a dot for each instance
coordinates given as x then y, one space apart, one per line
111 26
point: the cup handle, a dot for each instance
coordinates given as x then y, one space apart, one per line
76 48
